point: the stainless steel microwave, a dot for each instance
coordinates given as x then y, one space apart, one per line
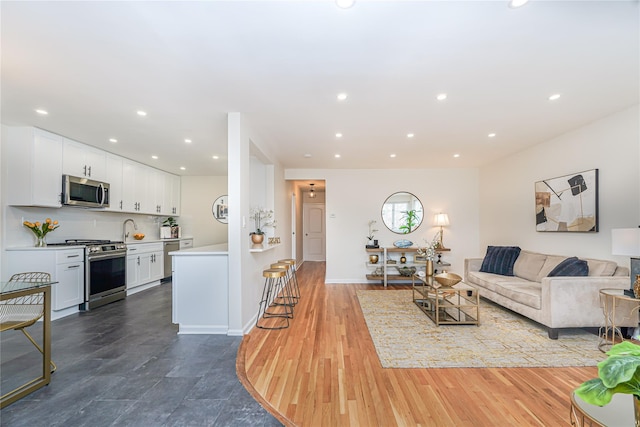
84 192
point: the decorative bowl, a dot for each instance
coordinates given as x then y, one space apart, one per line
138 236
447 279
406 271
403 243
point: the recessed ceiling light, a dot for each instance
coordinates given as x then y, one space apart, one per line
154 157
113 140
392 156
491 135
307 155
142 113
42 112
554 97
338 135
345 4
216 157
513 4
337 156
410 135
441 97
342 96
456 155
182 168
188 141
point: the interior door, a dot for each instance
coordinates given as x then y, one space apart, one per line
314 232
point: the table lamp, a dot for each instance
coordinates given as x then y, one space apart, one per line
626 241
441 220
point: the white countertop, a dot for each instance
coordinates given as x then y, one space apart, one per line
146 240
46 248
220 249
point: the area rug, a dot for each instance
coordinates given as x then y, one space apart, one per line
404 337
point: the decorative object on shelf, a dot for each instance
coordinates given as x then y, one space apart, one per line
406 271
619 373
373 259
402 213
626 241
441 220
170 229
636 286
447 279
429 251
138 236
373 244
40 230
568 203
261 218
403 259
274 240
219 209
312 193
404 243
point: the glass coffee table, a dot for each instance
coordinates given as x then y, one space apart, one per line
447 305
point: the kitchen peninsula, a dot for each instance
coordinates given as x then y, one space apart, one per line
200 289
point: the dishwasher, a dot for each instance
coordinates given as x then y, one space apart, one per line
172 246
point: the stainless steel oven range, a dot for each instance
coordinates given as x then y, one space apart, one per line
105 271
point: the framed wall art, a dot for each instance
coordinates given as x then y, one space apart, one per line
568 203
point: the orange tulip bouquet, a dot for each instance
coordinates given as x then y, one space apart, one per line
41 229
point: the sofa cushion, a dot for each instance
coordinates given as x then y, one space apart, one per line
500 260
570 267
528 265
549 264
601 268
519 290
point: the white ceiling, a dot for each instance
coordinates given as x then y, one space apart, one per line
92 65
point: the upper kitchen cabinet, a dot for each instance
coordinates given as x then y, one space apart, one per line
135 194
32 167
114 179
83 161
175 195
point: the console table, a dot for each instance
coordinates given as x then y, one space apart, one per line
11 290
389 273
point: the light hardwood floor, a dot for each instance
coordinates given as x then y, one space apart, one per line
323 371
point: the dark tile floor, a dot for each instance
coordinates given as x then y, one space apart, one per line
123 364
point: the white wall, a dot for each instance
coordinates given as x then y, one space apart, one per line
197 196
507 206
355 196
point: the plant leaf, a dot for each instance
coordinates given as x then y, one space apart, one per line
617 369
595 392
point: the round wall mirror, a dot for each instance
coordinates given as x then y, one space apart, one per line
219 209
402 213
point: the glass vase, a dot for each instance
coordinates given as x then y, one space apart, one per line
41 242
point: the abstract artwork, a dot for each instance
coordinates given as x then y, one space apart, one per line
568 203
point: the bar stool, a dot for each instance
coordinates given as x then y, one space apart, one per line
288 295
273 281
294 276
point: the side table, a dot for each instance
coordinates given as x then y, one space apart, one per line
617 307
619 412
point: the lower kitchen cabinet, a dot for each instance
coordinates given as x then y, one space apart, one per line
66 267
145 266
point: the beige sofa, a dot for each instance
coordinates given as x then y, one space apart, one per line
556 302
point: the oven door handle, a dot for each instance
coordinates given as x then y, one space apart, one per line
107 256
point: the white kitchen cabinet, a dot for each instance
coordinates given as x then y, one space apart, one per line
114 179
186 243
174 201
145 266
135 187
83 160
32 166
66 267
156 190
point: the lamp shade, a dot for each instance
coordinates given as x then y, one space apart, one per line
625 241
441 219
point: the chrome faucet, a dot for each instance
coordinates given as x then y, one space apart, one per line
124 228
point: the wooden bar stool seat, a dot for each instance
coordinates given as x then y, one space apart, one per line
294 277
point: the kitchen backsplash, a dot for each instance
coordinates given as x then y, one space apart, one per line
78 223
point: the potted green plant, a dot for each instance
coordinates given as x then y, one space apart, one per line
262 218
170 229
410 219
618 373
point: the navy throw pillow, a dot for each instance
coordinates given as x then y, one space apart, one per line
500 260
571 267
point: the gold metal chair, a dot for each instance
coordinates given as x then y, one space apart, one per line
21 312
